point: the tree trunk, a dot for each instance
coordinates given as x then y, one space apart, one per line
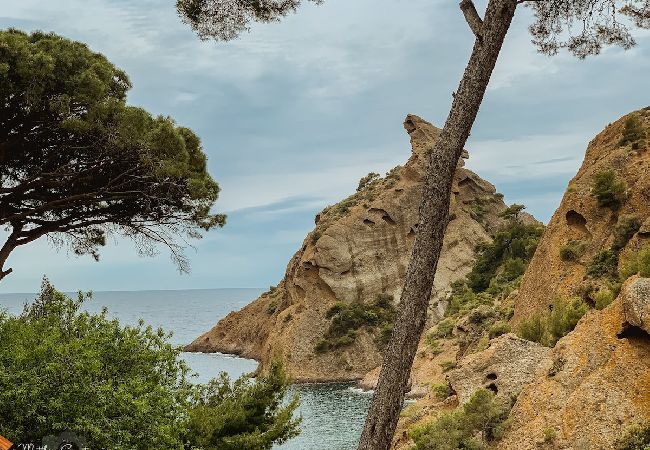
434 211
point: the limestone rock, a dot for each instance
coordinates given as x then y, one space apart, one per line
359 249
505 367
597 382
636 303
579 217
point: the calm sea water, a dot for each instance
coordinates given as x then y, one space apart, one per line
333 414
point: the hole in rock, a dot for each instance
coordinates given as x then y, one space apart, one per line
633 332
493 387
368 222
577 221
491 376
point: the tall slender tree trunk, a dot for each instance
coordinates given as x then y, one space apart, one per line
434 211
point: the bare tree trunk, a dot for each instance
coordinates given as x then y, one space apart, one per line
434 211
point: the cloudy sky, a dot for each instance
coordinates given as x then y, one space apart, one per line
293 114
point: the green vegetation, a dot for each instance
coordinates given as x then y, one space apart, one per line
633 132
243 415
638 262
346 319
609 189
369 180
499 328
84 165
444 329
643 261
573 250
547 328
433 344
446 366
549 434
505 259
441 391
603 298
604 265
481 421
636 437
124 386
626 227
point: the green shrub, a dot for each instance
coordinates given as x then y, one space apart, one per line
433 344
446 366
441 391
499 328
603 264
506 258
549 327
118 386
482 420
272 307
367 181
632 131
347 318
626 227
573 250
636 437
603 298
643 262
549 434
609 189
444 329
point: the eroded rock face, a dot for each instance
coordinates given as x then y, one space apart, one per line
636 303
505 367
595 383
359 249
581 218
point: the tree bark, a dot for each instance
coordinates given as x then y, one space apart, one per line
434 211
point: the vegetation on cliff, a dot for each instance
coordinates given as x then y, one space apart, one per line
347 319
64 369
477 423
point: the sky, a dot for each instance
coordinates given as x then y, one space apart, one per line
294 113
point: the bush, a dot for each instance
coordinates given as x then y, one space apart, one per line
505 259
549 327
572 250
643 262
123 386
498 329
441 391
243 414
603 298
626 227
433 344
367 181
632 131
444 329
609 189
480 421
346 319
603 264
446 366
636 437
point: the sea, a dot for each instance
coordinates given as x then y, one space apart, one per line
333 413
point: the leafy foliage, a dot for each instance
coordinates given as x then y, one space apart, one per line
505 259
368 180
626 227
547 328
633 132
243 415
609 189
480 421
347 318
64 369
77 163
603 264
573 250
636 437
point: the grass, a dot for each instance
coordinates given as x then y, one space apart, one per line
549 327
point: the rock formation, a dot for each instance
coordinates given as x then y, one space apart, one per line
358 250
581 219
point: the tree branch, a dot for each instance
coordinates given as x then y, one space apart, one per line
472 18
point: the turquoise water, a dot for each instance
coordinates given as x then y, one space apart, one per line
333 414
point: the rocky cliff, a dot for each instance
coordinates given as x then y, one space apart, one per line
587 390
358 252
583 226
